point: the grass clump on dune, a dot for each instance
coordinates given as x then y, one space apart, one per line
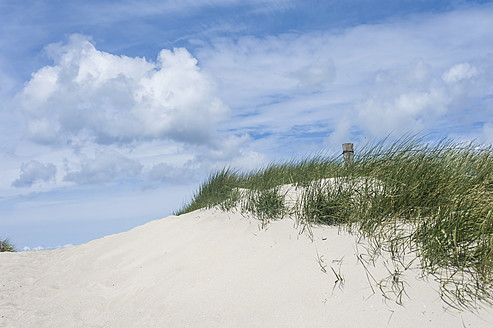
434 199
7 246
226 187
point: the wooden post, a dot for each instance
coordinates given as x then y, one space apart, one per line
348 153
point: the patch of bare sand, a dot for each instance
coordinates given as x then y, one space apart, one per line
214 269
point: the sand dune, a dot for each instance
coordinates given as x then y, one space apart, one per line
214 269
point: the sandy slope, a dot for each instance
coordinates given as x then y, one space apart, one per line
213 269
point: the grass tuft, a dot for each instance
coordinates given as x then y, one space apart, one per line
7 246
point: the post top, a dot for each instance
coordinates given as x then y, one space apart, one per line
347 146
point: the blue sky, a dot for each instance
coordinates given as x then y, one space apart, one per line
113 112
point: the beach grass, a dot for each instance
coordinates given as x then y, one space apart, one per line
434 200
7 246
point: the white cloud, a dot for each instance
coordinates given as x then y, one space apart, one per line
106 166
401 111
93 95
258 70
42 130
33 172
420 73
459 72
315 75
35 249
44 248
250 160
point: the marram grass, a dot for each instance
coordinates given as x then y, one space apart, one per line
7 246
433 199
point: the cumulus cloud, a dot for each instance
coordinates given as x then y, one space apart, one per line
459 72
396 108
420 98
33 172
92 94
106 166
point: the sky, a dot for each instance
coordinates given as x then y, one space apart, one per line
114 112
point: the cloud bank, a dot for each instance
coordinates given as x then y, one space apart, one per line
97 96
428 74
33 172
105 167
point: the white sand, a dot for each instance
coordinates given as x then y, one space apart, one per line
213 269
